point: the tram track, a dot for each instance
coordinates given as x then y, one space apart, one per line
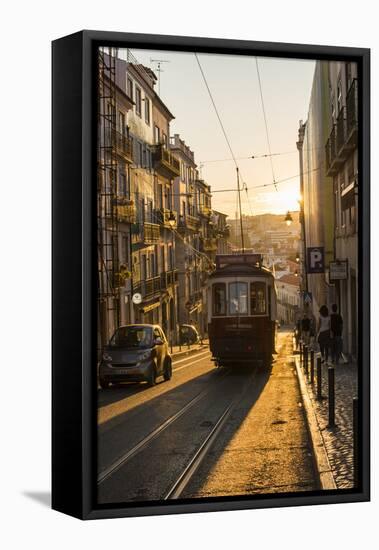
125 457
182 481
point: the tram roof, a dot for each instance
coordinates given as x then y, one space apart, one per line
241 270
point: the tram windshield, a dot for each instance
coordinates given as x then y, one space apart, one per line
257 298
219 299
238 299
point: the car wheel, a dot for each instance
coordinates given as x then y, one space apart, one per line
152 377
167 372
104 384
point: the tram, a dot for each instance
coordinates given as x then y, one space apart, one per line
241 310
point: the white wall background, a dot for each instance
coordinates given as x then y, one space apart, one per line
27 29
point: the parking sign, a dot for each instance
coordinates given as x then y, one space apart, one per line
315 257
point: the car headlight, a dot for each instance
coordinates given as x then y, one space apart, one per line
144 356
107 357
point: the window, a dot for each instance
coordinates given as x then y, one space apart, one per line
238 298
257 298
140 154
122 188
129 87
164 139
147 110
157 134
121 122
138 101
219 299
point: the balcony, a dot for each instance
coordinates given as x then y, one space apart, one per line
125 210
209 244
352 114
168 278
343 137
165 162
124 147
164 215
333 160
149 287
205 211
151 233
121 144
188 222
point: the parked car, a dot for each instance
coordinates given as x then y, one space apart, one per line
189 334
136 353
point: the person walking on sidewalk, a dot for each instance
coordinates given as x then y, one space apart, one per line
324 333
336 325
305 329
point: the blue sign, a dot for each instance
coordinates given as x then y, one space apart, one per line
315 259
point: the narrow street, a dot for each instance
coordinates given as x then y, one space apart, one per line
207 432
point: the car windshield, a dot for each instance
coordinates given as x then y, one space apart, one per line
132 337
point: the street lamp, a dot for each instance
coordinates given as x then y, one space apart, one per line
288 219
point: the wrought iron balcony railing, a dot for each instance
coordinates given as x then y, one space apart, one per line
165 162
168 218
188 222
125 210
209 244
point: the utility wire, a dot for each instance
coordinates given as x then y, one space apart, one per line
266 126
266 184
216 111
251 157
226 139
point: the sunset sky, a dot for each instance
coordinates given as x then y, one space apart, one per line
233 81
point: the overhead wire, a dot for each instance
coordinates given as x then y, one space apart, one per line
225 134
265 121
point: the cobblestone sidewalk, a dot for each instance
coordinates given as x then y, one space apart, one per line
338 440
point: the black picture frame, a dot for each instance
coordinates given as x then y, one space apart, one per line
74 265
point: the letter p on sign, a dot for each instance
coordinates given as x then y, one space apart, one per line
315 259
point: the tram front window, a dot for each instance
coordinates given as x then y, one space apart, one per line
238 299
257 298
219 299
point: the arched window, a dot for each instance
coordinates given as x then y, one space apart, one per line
258 298
219 299
238 299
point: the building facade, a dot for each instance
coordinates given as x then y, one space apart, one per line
328 156
288 298
157 233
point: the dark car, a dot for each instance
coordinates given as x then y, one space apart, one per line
136 353
189 334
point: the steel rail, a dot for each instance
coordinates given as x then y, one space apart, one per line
116 465
181 483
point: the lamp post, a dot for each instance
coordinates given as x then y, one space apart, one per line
288 219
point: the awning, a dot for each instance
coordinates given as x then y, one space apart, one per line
150 307
196 307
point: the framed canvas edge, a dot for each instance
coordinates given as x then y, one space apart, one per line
84 505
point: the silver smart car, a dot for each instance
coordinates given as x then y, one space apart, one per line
136 353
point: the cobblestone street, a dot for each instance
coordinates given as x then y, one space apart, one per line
338 440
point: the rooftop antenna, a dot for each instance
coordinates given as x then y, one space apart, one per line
159 70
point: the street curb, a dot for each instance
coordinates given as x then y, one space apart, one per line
320 455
